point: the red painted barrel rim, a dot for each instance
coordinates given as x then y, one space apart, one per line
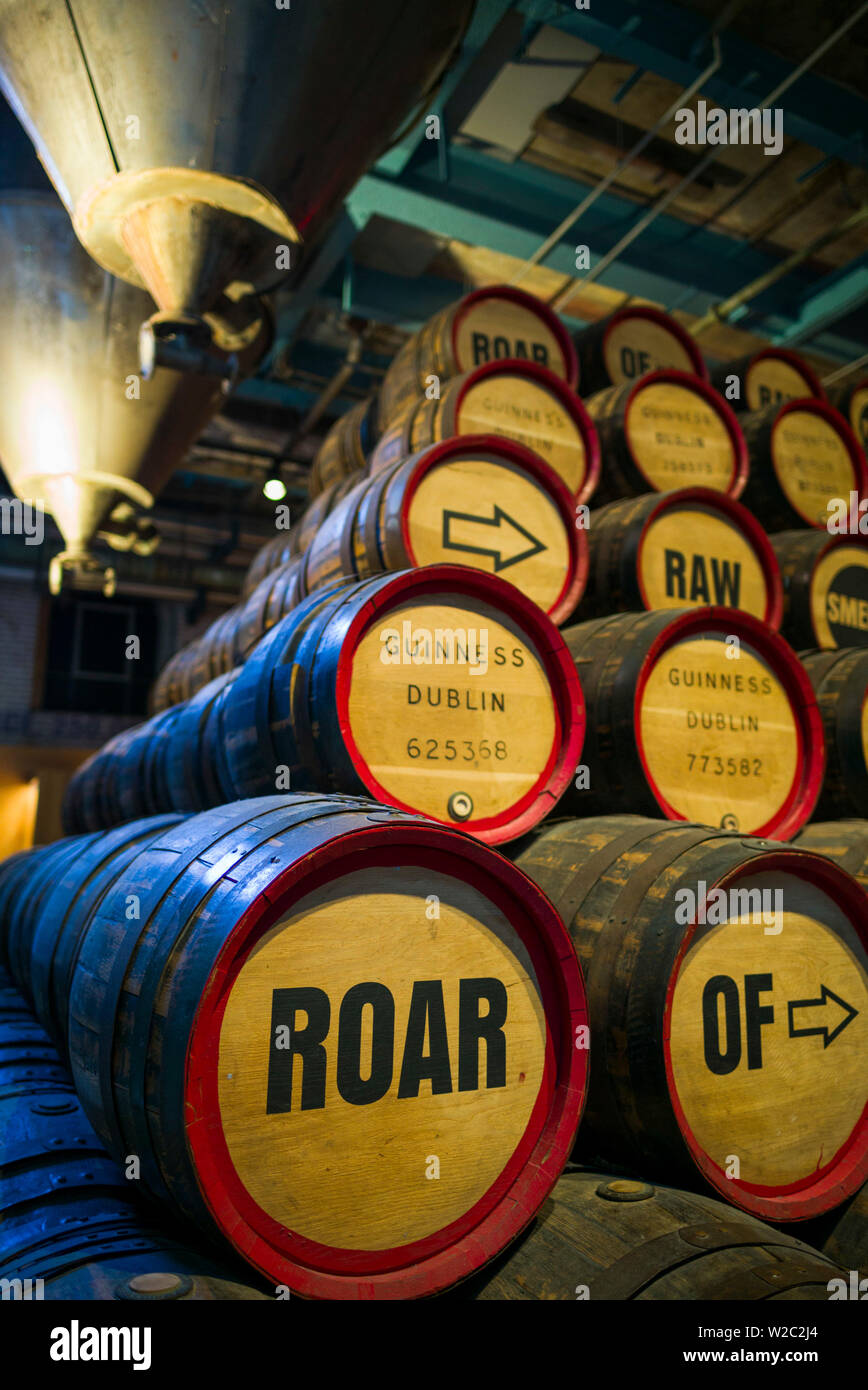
798 364
712 398
722 502
842 426
536 306
566 397
569 703
498 446
433 1263
802 797
828 1186
664 320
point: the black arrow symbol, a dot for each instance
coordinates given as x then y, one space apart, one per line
501 521
825 995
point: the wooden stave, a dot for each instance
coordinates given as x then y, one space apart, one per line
14 871
799 553
431 350
630 1121
430 421
590 342
622 476
741 366
90 1233
841 397
367 532
615 535
763 494
345 447
47 963
609 681
314 822
843 841
840 681
30 895
706 1251
842 1234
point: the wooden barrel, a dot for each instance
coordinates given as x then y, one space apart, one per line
478 500
693 546
840 681
825 588
665 431
269 557
29 896
316 512
487 325
767 378
188 1049
727 985
704 715
280 590
519 400
70 1218
13 873
346 447
803 455
845 841
842 1236
441 690
48 938
616 1238
852 402
192 778
634 340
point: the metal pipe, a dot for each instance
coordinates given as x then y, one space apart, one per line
551 242
846 369
333 389
663 203
719 313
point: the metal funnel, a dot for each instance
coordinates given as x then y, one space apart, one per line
80 432
195 143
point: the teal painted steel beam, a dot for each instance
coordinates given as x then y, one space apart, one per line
493 36
668 39
836 297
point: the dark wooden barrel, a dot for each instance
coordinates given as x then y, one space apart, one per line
665 431
840 681
280 590
346 447
693 546
842 1235
441 690
192 781
614 1238
631 342
852 402
185 1038
268 557
487 325
13 872
845 841
727 987
676 726
767 378
478 500
72 1226
825 588
519 400
28 894
803 456
49 936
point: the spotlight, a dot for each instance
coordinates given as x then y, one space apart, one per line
274 489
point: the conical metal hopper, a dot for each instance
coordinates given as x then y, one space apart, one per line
196 143
80 432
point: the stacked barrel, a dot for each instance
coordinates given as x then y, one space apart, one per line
548 595
336 1037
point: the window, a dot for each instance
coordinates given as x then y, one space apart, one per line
87 666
